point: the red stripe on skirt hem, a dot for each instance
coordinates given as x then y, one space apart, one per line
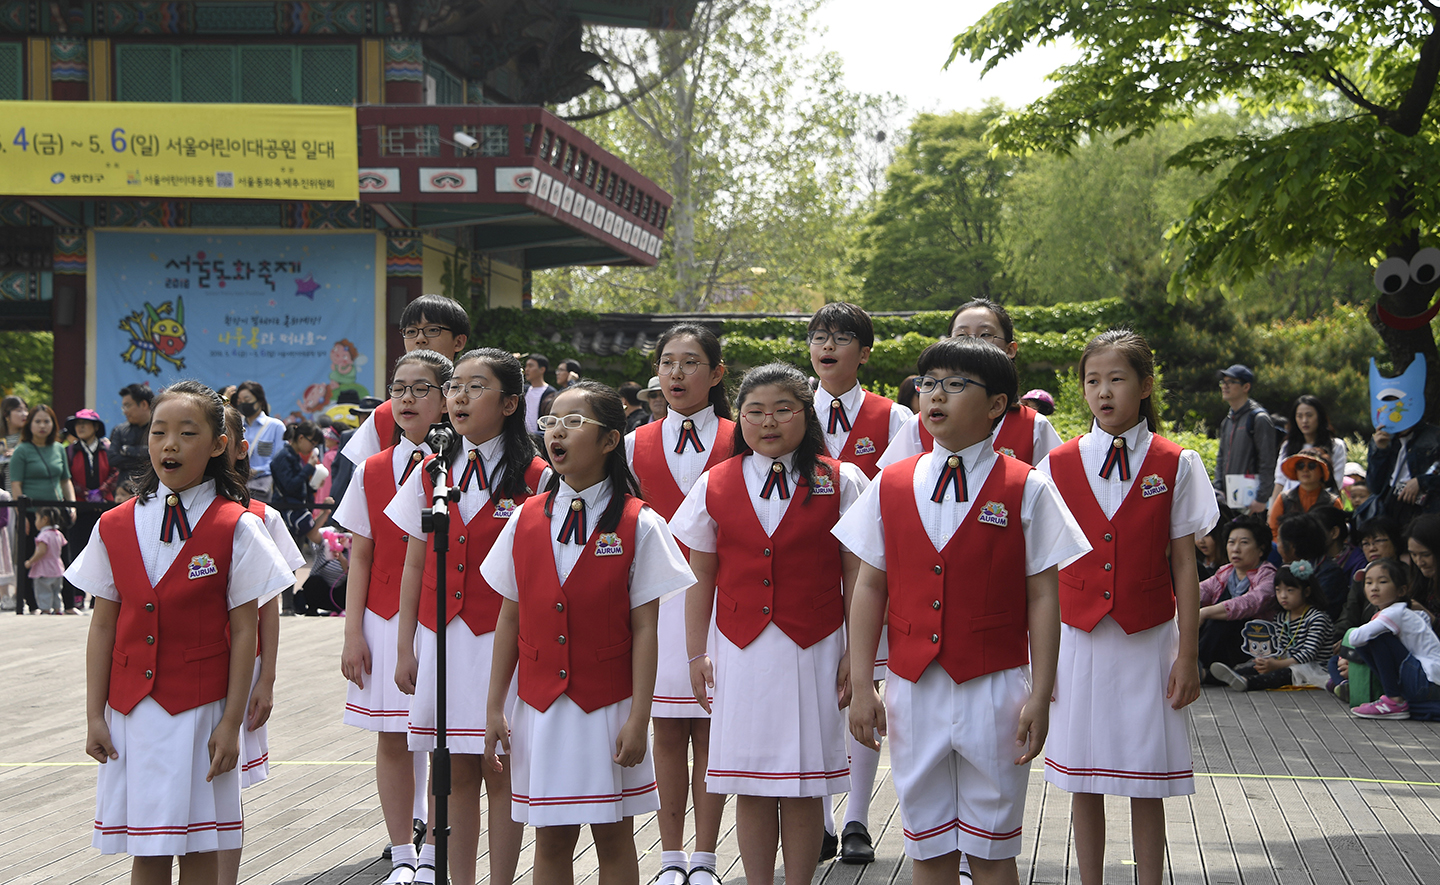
585 800
1120 773
958 824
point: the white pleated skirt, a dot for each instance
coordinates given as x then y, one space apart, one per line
777 729
674 697
1112 730
562 768
153 800
467 687
380 705
254 745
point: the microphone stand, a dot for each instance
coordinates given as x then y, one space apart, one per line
435 521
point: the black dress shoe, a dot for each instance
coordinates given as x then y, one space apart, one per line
855 844
829 846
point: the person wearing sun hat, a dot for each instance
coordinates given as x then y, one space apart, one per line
95 477
1310 468
1039 400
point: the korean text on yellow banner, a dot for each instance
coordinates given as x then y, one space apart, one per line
183 151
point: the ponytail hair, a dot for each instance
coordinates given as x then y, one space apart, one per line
519 446
228 483
711 346
1138 354
235 429
609 409
807 455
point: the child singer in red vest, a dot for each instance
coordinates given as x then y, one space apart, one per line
1129 644
858 427
254 735
582 569
372 600
758 527
172 569
496 468
667 458
961 548
1024 433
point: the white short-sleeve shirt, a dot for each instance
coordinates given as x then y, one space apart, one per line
851 401
354 509
657 569
1052 537
363 443
257 570
697 529
1192 504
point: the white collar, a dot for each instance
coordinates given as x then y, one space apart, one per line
490 450
197 495
592 496
851 400
701 419
1133 437
760 465
973 457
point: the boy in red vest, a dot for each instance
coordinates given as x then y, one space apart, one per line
858 427
973 540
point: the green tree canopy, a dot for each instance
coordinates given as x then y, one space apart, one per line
933 240
1341 153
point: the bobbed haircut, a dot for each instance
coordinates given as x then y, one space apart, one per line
841 316
710 346
1398 572
256 390
1136 351
1002 316
1258 529
1309 590
436 309
972 356
1306 535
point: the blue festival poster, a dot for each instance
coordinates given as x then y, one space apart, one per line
295 312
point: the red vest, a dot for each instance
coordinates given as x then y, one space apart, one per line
1016 437
388 561
384 419
1134 588
657 483
575 638
171 640
964 606
869 434
466 592
102 471
802 558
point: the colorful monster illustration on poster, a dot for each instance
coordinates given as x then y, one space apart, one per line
1397 404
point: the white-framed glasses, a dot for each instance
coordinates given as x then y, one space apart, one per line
474 389
953 384
421 389
757 415
571 421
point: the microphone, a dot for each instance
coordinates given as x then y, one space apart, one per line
441 437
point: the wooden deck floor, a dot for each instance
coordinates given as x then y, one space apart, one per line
1291 789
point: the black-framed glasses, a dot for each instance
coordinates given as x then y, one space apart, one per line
758 415
413 332
953 384
686 367
474 389
821 337
421 389
571 421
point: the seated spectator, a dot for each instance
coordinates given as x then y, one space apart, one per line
1398 644
1303 538
1346 556
1309 427
1242 589
1314 487
1355 489
1303 634
324 590
1207 552
635 412
1377 539
1422 543
1399 472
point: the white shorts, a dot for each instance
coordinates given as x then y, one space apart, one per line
674 698
152 801
254 745
467 687
562 768
778 729
952 756
380 705
1112 730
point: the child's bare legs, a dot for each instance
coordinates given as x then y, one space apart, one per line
555 855
151 870
504 835
673 737
1147 830
197 869
759 822
1087 810
395 782
228 863
615 852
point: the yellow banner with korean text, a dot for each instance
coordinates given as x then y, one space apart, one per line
178 151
